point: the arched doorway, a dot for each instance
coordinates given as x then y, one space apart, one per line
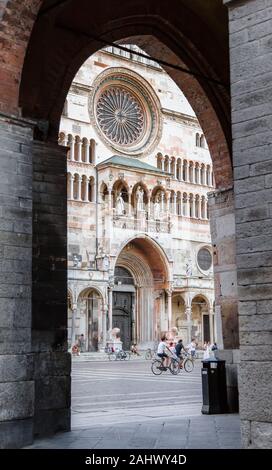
200 320
89 322
179 317
141 292
123 308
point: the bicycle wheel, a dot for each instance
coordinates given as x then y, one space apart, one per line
156 367
148 355
174 367
188 365
112 357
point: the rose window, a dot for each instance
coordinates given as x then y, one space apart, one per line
120 116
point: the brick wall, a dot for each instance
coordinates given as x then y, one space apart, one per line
251 89
16 360
52 362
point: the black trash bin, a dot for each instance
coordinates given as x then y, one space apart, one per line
214 389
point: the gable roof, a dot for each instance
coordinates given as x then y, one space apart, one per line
131 163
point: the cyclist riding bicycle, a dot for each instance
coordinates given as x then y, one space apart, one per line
179 349
161 352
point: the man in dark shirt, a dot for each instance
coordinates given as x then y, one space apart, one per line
179 347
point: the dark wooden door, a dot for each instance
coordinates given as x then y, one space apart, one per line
206 328
121 316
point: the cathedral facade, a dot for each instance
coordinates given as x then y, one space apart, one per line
139 170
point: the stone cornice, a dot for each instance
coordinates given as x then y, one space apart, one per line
185 118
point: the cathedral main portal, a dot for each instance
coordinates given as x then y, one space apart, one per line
122 316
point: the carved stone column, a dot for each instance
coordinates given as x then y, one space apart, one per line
79 188
73 326
169 308
175 204
193 206
110 307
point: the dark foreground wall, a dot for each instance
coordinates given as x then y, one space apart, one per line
17 389
49 291
251 91
34 364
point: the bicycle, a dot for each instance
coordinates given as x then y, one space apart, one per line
119 355
150 354
186 362
157 366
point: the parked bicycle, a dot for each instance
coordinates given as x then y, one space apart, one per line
119 355
158 368
150 354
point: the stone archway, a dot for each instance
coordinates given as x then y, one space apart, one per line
201 320
150 269
90 318
46 79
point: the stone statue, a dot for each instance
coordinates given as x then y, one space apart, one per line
189 268
115 333
157 208
120 205
106 263
140 199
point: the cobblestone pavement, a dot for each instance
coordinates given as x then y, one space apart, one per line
122 405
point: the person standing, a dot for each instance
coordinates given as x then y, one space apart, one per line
192 347
81 343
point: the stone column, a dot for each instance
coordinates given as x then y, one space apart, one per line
175 169
17 390
110 199
167 203
205 175
175 204
104 327
72 149
86 189
187 179
181 171
73 329
71 195
211 319
193 206
110 307
193 172
188 205
129 203
95 194
133 308
149 206
49 290
80 151
169 308
162 202
198 175
188 313
79 188
99 325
